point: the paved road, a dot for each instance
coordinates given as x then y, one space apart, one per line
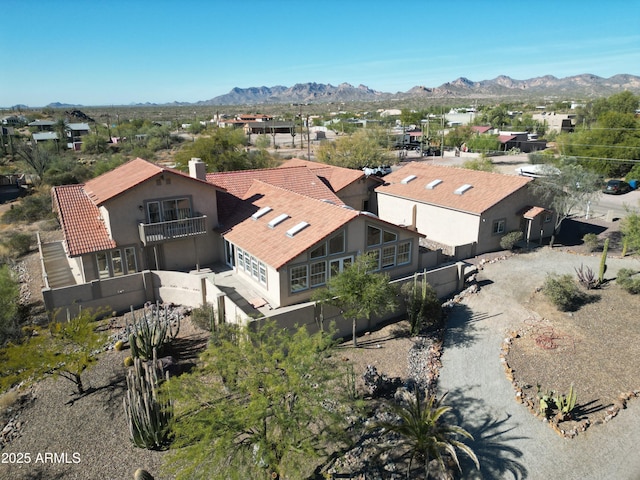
509 441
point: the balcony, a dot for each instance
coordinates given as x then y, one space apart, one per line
151 233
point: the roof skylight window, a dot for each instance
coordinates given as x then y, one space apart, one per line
296 229
279 219
462 189
433 184
263 211
408 179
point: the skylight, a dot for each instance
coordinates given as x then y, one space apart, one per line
406 180
279 219
462 189
433 184
261 212
296 228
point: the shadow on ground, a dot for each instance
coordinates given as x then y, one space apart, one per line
492 439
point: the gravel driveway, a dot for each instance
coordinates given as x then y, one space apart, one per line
509 441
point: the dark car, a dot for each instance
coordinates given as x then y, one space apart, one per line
616 187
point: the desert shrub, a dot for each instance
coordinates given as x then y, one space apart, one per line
563 292
508 241
587 278
628 281
30 209
20 243
591 241
423 306
204 317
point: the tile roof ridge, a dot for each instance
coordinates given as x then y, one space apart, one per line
307 197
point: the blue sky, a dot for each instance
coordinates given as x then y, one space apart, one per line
115 52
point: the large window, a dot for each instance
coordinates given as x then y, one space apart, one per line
168 210
298 277
112 263
374 236
392 254
389 256
318 274
336 244
252 266
404 253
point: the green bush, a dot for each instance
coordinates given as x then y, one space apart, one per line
591 241
204 317
563 292
510 239
627 281
30 209
20 243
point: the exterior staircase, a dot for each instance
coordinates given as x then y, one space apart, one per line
56 266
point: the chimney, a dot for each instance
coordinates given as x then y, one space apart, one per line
198 169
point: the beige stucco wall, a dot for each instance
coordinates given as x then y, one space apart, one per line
440 225
356 193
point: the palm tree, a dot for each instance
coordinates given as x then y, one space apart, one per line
424 433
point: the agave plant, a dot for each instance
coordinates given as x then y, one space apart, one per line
424 433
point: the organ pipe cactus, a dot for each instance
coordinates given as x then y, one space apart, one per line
149 415
153 330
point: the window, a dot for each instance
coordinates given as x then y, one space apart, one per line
388 237
336 243
254 267
240 258
373 236
318 274
168 210
319 252
130 259
404 253
247 263
103 265
263 273
499 226
298 277
339 264
375 254
116 263
389 256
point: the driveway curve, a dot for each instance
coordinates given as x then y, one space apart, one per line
509 441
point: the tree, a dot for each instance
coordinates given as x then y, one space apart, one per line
224 150
95 143
35 156
424 433
630 228
482 163
354 151
264 401
565 188
359 292
66 349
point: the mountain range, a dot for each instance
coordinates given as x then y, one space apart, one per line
578 86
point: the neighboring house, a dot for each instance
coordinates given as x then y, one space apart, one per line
268 127
75 132
136 217
14 120
524 141
462 208
44 136
43 125
556 122
352 186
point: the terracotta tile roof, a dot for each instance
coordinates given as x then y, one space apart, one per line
480 129
532 212
298 179
506 138
487 189
272 245
124 177
336 177
83 229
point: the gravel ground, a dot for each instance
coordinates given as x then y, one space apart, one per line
509 441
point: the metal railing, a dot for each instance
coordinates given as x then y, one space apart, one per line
175 229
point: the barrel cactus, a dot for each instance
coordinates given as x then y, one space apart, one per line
128 361
142 475
119 345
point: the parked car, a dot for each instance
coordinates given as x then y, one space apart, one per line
616 187
379 171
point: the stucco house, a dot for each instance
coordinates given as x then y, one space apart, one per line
136 217
462 209
282 232
352 186
75 132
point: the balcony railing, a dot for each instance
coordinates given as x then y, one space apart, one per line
175 229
